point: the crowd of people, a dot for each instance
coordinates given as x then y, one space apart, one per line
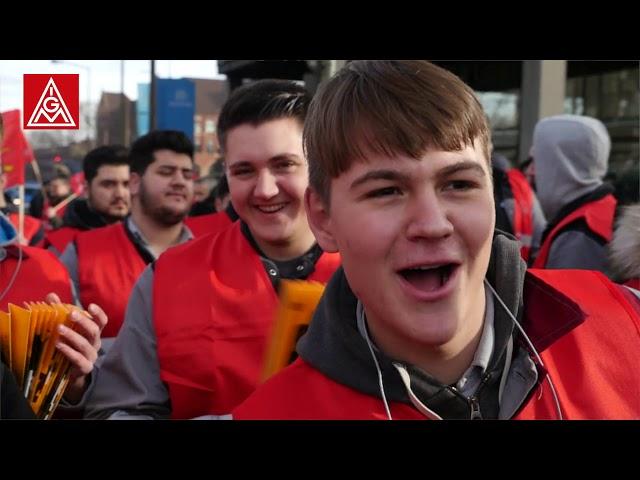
458 286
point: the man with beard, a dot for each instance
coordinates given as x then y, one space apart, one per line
106 173
104 263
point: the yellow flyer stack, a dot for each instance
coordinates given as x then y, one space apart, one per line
28 338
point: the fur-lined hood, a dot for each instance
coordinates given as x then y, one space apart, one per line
624 249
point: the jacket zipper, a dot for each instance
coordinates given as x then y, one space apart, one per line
474 403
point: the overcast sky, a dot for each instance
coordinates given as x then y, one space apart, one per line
99 75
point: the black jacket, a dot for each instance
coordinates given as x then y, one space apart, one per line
79 215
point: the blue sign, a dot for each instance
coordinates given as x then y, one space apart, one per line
175 105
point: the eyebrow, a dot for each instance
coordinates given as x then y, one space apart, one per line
461 166
284 156
382 174
394 175
174 167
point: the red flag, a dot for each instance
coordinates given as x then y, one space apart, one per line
15 152
77 182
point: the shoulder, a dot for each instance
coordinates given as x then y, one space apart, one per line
283 396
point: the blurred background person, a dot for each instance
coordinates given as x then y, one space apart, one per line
50 206
106 173
571 155
518 210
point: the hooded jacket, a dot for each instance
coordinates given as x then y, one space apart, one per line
590 363
571 154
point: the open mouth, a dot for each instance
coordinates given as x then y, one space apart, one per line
271 208
428 278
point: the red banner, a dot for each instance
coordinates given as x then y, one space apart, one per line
77 182
15 152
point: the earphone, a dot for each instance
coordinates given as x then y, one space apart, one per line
405 376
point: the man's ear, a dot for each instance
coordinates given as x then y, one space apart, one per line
319 220
134 183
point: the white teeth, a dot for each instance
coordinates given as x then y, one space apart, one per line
425 268
270 208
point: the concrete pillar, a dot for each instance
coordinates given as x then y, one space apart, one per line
322 70
542 95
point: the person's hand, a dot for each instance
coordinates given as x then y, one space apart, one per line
80 345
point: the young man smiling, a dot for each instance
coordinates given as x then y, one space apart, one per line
423 321
196 347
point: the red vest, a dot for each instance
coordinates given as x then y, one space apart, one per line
213 308
599 218
108 267
31 225
206 224
40 274
523 210
60 238
593 366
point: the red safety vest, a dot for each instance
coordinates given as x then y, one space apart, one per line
206 224
60 238
213 308
599 218
592 366
40 274
108 267
523 210
31 225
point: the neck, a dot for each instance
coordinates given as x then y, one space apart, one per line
445 362
159 236
289 249
3 202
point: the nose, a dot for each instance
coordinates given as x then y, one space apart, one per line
179 180
122 190
266 185
427 217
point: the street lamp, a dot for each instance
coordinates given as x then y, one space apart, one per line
88 70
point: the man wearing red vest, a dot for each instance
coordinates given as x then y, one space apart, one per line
195 335
105 263
33 274
518 211
106 174
434 314
571 155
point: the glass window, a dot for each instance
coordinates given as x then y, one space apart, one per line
210 126
501 108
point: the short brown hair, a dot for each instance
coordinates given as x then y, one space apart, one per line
390 107
262 101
